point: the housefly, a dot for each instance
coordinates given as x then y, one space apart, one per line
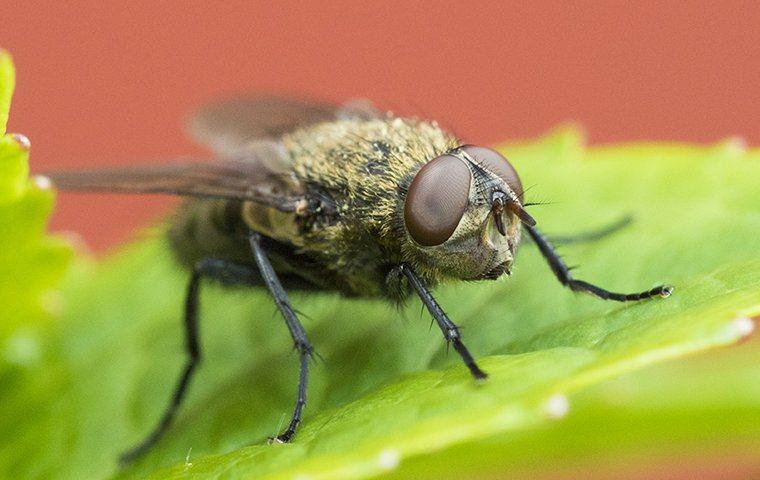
349 199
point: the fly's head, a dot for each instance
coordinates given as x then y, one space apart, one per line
462 215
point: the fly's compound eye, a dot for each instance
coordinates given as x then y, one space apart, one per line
437 200
495 162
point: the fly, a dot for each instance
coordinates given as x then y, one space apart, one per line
347 199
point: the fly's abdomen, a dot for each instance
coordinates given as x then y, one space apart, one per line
209 229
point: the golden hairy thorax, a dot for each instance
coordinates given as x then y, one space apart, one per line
361 169
364 164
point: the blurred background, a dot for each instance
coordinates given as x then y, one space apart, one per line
109 83
105 83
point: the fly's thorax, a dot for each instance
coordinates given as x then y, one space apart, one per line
359 167
455 222
208 228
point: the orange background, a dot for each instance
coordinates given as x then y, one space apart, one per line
108 82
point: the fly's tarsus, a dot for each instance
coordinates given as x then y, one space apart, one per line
562 272
272 282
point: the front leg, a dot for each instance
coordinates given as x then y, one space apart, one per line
562 272
296 331
449 329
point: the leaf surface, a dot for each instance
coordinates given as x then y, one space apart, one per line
388 392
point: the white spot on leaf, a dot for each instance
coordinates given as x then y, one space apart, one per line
557 406
388 459
743 326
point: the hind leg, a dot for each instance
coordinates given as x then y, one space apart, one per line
221 270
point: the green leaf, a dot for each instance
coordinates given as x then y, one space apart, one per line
7 83
690 417
32 263
387 391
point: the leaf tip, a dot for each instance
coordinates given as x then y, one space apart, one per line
22 141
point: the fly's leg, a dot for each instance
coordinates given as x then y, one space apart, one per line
221 270
562 272
449 329
593 235
297 331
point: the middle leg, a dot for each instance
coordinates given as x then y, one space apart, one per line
301 342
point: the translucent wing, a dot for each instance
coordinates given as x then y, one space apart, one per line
229 127
241 180
246 133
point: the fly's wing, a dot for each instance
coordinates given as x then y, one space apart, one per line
231 179
245 133
231 127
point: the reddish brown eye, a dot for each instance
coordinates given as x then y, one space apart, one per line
436 200
494 161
